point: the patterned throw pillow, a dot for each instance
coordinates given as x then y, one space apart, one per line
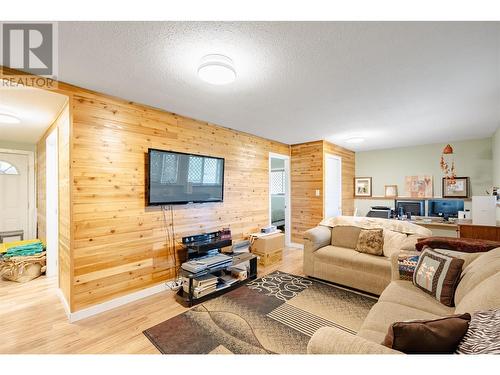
483 335
438 274
407 263
371 241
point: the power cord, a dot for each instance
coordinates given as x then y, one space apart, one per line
175 284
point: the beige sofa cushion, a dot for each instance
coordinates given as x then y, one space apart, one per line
477 271
405 293
383 314
485 296
410 241
393 242
358 262
345 236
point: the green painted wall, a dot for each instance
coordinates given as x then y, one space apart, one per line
496 163
473 158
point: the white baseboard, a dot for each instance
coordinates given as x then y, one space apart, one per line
296 245
61 296
114 303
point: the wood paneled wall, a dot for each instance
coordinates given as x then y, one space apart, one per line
62 124
307 175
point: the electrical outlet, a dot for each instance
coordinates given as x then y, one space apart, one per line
317 192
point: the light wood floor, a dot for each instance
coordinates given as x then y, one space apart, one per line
32 318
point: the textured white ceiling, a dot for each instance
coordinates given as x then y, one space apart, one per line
37 109
394 83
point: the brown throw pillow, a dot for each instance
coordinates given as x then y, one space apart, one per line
438 274
345 236
439 336
371 241
464 245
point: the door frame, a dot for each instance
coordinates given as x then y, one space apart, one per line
52 254
288 216
31 189
339 158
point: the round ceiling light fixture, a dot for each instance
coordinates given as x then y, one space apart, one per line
6 118
354 140
217 70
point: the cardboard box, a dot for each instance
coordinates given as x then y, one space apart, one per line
269 258
269 248
268 243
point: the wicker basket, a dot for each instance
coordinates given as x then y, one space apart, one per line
24 268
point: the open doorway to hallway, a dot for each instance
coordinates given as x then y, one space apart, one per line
279 193
29 182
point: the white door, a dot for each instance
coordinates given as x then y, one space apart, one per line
14 193
333 186
52 203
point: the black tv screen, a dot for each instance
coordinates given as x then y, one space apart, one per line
178 178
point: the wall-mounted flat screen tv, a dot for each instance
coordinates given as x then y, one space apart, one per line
179 178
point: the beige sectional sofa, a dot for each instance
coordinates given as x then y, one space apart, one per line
478 290
329 251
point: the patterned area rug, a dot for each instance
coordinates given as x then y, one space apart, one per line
277 313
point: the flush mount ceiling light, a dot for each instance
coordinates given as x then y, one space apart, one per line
6 118
217 70
355 140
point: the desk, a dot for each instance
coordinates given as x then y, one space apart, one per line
483 232
439 228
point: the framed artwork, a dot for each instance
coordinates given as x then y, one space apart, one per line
458 189
391 191
362 186
418 186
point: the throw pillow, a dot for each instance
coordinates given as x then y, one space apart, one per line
392 242
438 274
438 336
464 245
483 335
345 236
371 241
407 263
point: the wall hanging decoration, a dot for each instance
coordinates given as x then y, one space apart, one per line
391 191
447 164
418 186
362 186
458 189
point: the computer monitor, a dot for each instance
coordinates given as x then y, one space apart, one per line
445 207
415 208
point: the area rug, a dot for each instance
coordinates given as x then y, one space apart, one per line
277 313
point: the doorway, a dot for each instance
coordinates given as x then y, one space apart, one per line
17 194
279 193
52 202
332 186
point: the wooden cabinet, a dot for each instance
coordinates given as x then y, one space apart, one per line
483 232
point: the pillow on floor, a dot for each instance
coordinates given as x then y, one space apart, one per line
371 241
438 274
483 335
438 336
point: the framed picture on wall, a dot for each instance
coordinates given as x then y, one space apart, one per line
362 186
418 186
391 191
457 188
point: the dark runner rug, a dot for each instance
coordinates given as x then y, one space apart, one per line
277 313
